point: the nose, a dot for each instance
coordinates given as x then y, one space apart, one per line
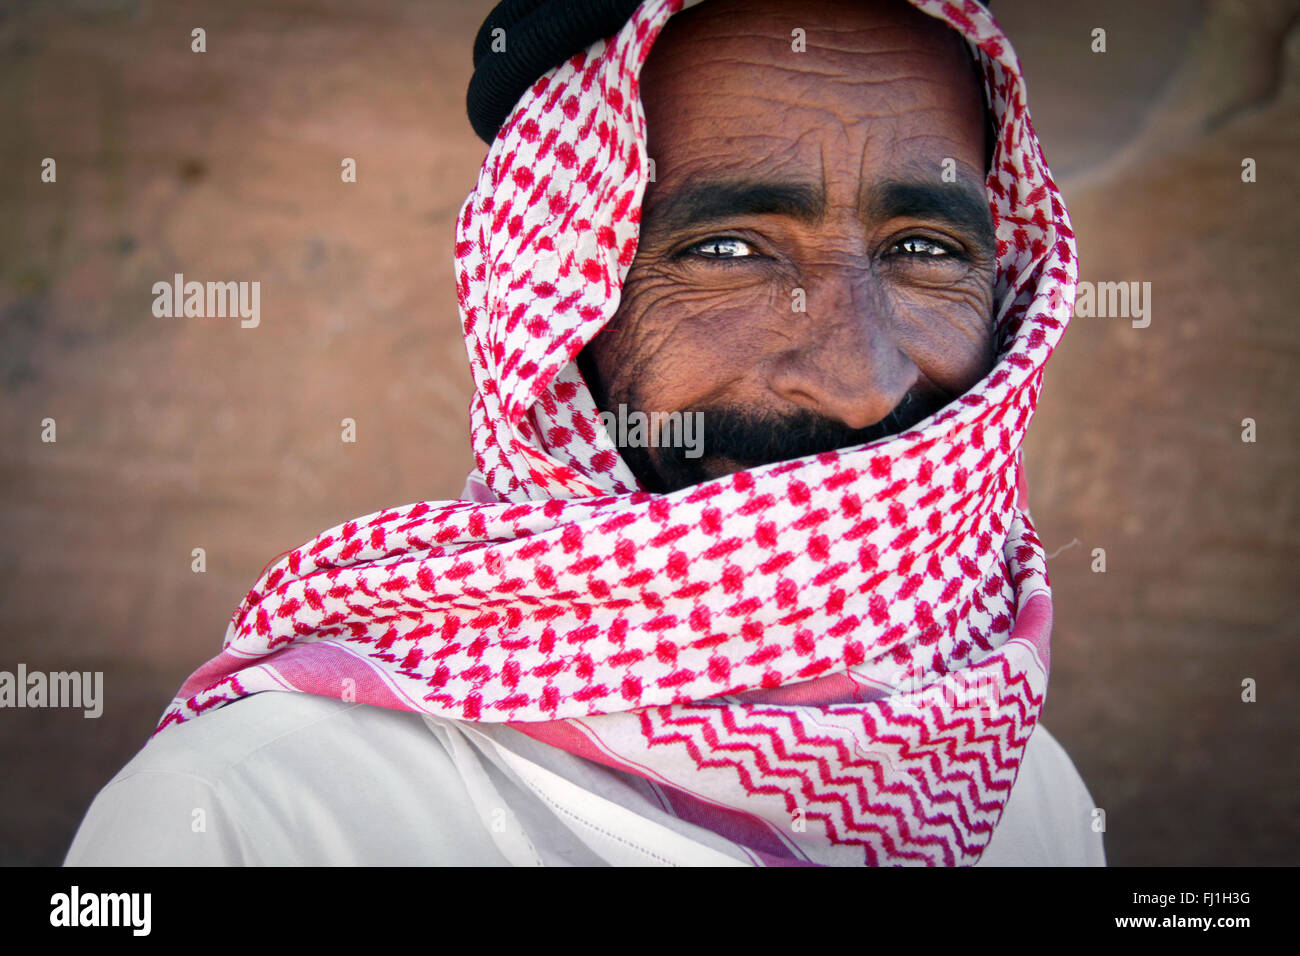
844 362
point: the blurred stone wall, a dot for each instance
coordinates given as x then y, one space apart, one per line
183 434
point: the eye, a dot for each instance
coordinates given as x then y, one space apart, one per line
922 247
722 247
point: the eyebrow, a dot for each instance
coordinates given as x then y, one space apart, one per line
961 205
703 202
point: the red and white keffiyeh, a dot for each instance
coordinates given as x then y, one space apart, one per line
835 660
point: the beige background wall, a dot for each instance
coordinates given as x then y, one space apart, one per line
176 434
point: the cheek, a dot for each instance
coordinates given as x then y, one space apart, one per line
947 333
672 345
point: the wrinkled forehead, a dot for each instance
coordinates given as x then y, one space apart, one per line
874 88
830 36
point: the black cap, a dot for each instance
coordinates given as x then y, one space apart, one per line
539 35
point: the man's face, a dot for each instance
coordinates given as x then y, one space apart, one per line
806 277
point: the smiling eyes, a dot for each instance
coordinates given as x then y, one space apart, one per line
921 246
722 247
729 247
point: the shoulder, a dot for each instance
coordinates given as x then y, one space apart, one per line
289 779
1049 817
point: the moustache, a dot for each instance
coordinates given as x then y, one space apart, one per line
761 440
754 439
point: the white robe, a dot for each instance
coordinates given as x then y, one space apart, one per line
296 779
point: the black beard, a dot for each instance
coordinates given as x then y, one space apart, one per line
752 439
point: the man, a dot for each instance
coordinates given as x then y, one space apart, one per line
823 640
